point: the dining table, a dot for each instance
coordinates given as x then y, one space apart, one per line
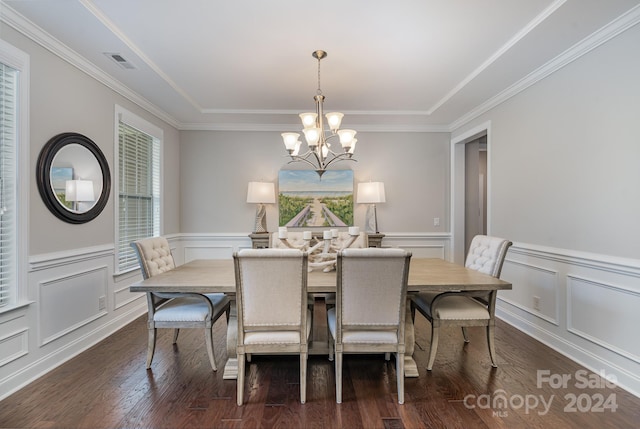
218 276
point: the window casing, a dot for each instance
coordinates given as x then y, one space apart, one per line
138 206
14 184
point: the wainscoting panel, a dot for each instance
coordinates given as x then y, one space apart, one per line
589 307
421 245
73 294
71 301
209 246
13 346
536 290
604 314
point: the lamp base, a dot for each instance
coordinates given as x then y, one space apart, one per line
371 221
261 220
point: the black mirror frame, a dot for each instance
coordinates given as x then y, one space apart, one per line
43 177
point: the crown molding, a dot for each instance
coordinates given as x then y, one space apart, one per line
39 36
604 34
44 39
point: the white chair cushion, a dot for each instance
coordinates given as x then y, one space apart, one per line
277 337
357 337
217 299
452 307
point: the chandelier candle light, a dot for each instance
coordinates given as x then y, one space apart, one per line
319 155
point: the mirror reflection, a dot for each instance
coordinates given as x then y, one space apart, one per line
76 178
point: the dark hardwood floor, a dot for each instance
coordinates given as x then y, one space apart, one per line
108 387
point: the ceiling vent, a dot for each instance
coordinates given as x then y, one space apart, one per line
120 60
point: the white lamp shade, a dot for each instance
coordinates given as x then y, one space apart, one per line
312 135
346 137
308 119
79 190
261 193
290 140
371 193
334 119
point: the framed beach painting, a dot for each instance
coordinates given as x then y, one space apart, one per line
306 200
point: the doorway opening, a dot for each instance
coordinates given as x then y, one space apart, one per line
470 188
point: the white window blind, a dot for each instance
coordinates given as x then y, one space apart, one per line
139 191
8 172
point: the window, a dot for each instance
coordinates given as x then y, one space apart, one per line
13 173
138 206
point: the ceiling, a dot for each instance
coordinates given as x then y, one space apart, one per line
413 65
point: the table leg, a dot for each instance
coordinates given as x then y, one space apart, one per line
231 367
410 366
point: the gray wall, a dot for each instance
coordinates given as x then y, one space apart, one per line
564 155
216 167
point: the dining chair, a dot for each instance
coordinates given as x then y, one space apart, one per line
466 308
271 300
369 315
176 310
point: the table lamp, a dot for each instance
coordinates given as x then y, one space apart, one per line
371 193
261 193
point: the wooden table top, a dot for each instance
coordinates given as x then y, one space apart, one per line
217 275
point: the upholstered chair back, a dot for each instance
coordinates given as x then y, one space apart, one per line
270 287
380 275
154 255
486 254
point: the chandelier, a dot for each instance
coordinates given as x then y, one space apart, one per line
319 154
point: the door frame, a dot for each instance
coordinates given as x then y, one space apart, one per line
457 186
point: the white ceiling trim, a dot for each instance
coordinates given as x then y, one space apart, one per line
608 32
493 58
91 7
377 128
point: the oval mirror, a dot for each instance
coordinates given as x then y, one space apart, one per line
73 177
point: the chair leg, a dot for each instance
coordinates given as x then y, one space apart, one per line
151 346
208 339
331 344
434 346
492 347
338 377
175 335
400 376
240 379
303 377
464 334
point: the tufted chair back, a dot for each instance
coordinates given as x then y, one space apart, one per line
154 255
486 254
